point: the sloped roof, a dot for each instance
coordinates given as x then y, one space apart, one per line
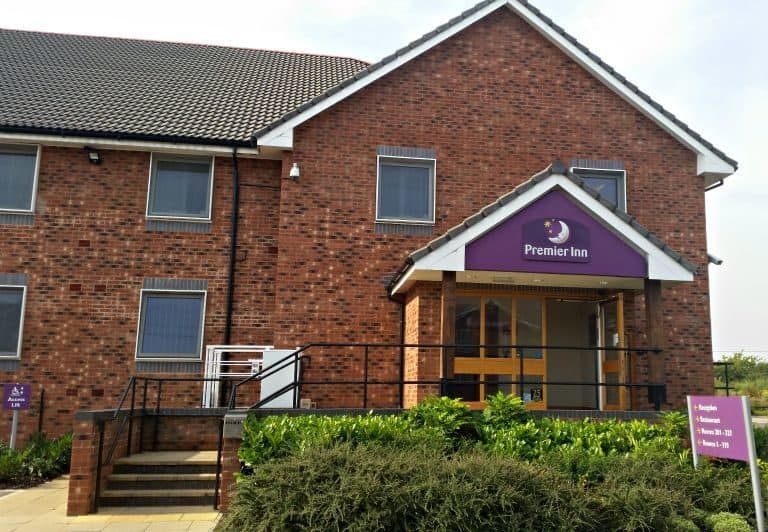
556 168
70 84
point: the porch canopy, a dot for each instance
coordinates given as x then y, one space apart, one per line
552 230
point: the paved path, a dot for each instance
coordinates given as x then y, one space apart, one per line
43 508
760 421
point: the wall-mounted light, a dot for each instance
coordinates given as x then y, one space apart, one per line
94 157
295 172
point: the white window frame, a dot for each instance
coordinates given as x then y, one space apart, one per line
153 159
21 320
425 162
199 357
33 202
607 172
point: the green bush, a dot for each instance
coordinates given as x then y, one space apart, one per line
728 522
372 487
504 411
268 438
451 417
42 458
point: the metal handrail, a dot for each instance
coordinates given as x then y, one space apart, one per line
268 371
727 386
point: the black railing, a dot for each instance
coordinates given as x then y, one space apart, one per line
125 416
726 381
656 391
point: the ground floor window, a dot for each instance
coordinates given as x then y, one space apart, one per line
11 320
171 325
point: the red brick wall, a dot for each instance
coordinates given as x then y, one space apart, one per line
87 255
498 103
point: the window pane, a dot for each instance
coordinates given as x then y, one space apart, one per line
529 327
17 177
180 188
498 383
498 326
608 187
170 326
468 325
464 390
405 192
10 320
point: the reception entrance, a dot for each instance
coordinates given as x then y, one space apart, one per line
553 352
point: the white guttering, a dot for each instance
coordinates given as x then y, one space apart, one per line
131 145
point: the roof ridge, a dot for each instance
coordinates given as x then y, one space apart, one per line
182 43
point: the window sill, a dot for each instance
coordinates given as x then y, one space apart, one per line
166 225
403 228
16 217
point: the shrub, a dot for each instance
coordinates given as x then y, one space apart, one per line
451 417
42 458
371 487
728 522
504 410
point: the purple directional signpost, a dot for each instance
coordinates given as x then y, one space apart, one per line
722 427
16 397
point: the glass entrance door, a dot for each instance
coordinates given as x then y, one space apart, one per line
612 363
486 327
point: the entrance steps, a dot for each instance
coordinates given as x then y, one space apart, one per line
167 478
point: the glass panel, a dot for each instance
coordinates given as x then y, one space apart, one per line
499 383
498 326
612 392
405 192
467 392
529 327
468 325
607 187
611 328
180 188
17 177
170 325
10 320
533 390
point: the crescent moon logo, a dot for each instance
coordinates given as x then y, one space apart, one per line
564 234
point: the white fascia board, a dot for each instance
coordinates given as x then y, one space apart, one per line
450 256
282 135
127 145
707 161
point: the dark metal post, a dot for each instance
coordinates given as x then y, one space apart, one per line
143 415
296 380
521 354
727 383
365 377
40 412
217 487
100 424
130 414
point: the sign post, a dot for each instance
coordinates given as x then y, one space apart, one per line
722 427
16 397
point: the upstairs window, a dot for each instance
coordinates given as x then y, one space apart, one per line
610 184
405 190
18 177
171 325
11 320
180 187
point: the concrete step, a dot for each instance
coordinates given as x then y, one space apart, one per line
161 481
167 478
187 497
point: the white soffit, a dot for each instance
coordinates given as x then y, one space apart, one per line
709 164
450 256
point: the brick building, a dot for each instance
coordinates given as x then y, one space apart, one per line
493 184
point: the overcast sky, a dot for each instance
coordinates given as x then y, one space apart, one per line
705 60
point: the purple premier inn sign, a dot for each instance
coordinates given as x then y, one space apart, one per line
554 235
16 396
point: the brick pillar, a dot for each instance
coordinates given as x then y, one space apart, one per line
82 474
230 464
422 326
